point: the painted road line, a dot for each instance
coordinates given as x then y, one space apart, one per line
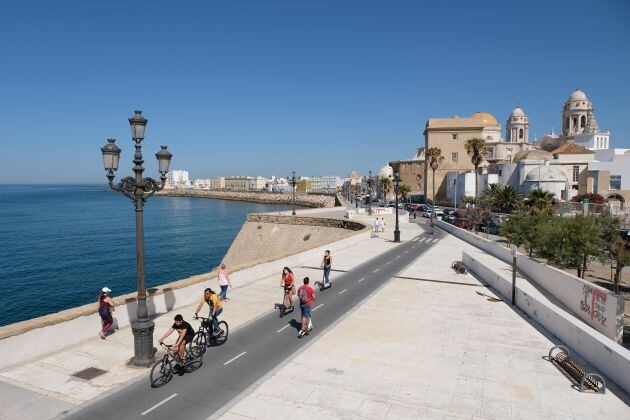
159 404
414 239
361 279
284 328
343 291
422 240
406 251
388 263
377 270
397 256
234 358
317 307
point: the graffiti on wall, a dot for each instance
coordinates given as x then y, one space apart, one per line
594 303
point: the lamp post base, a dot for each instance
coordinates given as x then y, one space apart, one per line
144 352
396 235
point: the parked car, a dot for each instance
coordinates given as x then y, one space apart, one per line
494 225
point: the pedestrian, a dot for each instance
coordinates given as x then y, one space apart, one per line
377 225
326 265
224 282
306 296
104 310
383 224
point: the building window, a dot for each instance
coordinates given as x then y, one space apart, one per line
520 133
576 173
596 183
454 136
615 182
454 157
489 152
582 121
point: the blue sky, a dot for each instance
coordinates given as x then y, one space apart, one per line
265 87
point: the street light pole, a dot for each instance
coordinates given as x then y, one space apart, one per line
396 167
138 189
370 192
293 184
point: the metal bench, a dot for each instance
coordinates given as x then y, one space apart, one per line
459 267
587 381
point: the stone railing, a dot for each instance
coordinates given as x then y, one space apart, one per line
265 197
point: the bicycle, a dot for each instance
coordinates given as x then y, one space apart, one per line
162 370
205 337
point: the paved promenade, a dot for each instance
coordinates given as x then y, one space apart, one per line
45 387
444 347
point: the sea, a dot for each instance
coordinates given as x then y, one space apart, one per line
60 244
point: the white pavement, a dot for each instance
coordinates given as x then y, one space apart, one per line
45 387
441 348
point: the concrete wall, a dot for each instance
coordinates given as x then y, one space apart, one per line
598 307
609 357
33 338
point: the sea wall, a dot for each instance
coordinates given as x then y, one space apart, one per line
267 237
35 337
301 199
598 307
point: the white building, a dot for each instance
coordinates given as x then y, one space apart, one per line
609 176
210 183
245 183
324 184
178 179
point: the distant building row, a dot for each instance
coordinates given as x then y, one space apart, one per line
316 184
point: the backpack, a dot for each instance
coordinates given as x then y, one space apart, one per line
303 295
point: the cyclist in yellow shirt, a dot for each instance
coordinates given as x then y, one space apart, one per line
216 307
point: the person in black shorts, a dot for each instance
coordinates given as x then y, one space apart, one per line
186 334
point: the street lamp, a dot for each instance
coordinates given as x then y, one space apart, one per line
138 189
396 168
370 183
293 183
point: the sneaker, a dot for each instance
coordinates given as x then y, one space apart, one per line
301 334
102 335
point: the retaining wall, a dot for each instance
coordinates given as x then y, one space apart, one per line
36 337
610 358
598 307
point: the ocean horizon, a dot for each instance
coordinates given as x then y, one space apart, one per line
61 243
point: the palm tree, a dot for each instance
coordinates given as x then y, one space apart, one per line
541 201
386 185
507 198
404 190
476 149
490 194
433 156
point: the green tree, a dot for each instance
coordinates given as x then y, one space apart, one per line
476 149
541 201
386 185
620 254
433 156
490 194
571 241
524 230
468 200
478 216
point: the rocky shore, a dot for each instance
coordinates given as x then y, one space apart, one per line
301 199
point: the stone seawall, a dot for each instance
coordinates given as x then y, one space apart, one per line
301 199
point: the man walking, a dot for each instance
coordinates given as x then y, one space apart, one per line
306 296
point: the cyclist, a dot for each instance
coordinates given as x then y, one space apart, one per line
326 265
216 307
289 288
307 296
186 334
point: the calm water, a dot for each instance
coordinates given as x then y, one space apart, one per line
59 245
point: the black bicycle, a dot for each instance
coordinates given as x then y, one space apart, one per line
162 370
206 337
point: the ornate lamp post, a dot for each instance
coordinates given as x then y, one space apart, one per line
293 182
396 168
138 189
370 184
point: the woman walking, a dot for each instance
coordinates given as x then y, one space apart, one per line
289 289
104 310
224 282
326 265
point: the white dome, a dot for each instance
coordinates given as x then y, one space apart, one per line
518 112
546 173
578 95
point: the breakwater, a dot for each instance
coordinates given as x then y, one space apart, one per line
301 199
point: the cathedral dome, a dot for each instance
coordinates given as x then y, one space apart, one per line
578 95
518 112
534 154
546 173
485 118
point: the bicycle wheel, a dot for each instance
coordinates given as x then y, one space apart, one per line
161 373
219 340
200 341
194 360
